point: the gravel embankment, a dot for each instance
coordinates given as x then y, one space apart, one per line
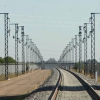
59 96
44 91
71 88
95 85
89 80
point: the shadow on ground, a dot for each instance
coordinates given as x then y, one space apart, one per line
48 88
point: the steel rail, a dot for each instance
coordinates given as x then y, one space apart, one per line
54 93
88 88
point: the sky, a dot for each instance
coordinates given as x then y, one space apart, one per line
51 24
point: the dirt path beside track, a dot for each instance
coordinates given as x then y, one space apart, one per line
24 84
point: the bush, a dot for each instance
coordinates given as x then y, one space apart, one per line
2 60
10 60
76 66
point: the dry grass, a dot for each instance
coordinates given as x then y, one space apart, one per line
10 75
99 79
88 75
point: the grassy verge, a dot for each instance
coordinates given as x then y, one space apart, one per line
10 75
28 93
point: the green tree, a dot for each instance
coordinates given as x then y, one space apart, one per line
1 60
76 66
10 59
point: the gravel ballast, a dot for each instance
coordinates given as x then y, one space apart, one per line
44 91
94 84
71 88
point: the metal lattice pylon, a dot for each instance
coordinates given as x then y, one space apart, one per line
66 55
27 51
93 43
75 48
85 47
23 50
6 44
80 49
30 51
69 55
16 49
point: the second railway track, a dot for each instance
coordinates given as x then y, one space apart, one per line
75 88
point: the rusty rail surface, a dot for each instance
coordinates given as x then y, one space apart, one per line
55 90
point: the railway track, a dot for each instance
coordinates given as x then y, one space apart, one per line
68 86
89 89
47 91
75 91
55 90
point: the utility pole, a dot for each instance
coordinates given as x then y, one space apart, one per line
27 51
42 62
80 49
16 47
30 51
92 18
37 55
66 55
69 55
35 52
92 44
6 42
75 48
85 47
23 49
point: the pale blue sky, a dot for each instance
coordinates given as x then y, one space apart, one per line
51 24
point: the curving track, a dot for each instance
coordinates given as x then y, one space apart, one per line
64 85
72 89
46 91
